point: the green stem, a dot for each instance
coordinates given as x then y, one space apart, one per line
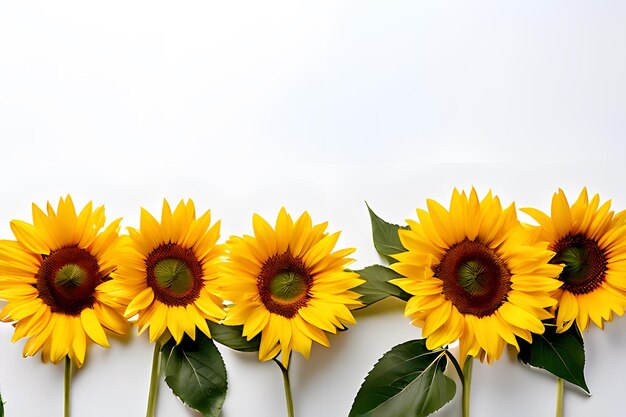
154 379
559 397
67 385
288 398
467 383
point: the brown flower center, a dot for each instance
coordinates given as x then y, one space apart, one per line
585 263
284 284
67 280
174 274
475 279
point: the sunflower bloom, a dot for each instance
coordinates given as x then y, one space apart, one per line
288 285
591 243
52 277
475 275
168 273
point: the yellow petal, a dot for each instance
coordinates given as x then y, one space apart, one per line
158 321
92 327
561 215
28 236
197 319
269 340
284 224
520 318
35 343
140 302
264 234
79 342
567 312
61 338
174 324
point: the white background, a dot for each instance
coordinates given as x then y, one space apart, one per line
319 106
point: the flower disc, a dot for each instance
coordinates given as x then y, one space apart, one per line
474 278
284 284
67 280
174 274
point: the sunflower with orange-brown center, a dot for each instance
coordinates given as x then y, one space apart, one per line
475 275
168 273
52 276
591 244
289 285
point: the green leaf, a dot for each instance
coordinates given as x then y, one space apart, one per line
386 239
561 354
1 407
231 337
195 372
376 285
408 381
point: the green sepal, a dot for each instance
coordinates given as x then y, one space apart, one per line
561 354
408 381
195 372
386 238
231 336
377 287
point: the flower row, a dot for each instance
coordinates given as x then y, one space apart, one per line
471 272
67 277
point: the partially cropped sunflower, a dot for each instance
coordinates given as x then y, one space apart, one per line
287 284
475 275
591 243
52 277
168 273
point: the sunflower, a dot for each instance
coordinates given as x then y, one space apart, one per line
52 277
287 284
168 273
591 243
475 275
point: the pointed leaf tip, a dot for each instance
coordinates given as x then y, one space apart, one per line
376 286
231 336
386 239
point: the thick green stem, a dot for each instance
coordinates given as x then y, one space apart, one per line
467 383
288 398
559 397
67 385
155 376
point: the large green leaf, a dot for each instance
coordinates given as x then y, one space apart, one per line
195 371
561 354
231 337
386 239
408 381
376 285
